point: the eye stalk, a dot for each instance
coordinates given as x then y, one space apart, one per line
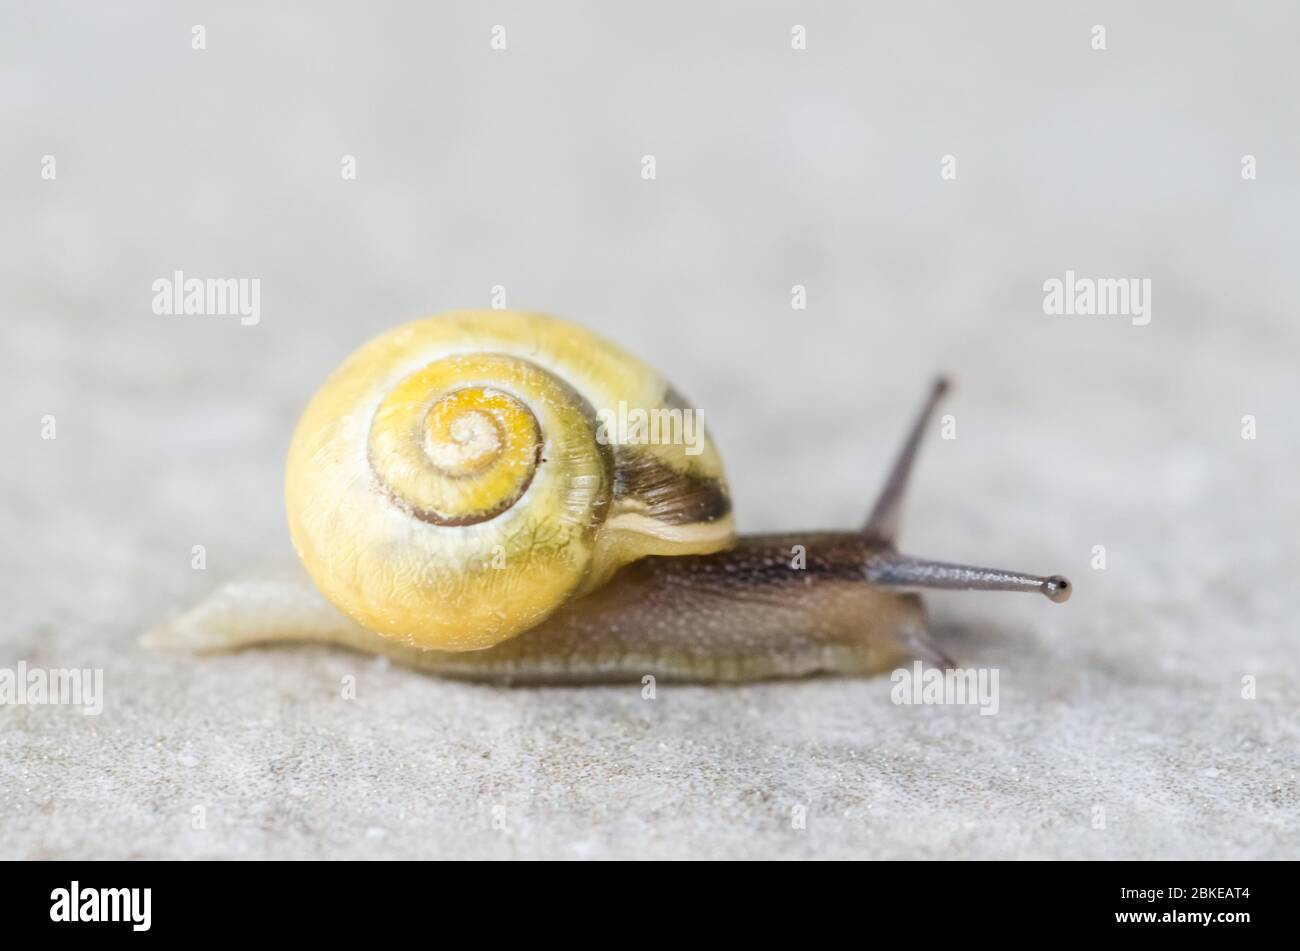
890 569
887 513
899 571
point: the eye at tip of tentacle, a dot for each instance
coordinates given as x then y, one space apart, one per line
1057 588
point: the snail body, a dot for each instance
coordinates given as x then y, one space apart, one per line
458 504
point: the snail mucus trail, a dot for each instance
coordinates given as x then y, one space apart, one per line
454 510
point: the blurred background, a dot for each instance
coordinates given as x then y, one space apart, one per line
775 167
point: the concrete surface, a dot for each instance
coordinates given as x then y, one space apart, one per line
1122 729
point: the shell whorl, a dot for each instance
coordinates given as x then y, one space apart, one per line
446 487
453 451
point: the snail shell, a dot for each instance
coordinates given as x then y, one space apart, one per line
450 485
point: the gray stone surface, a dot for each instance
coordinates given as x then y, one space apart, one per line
522 168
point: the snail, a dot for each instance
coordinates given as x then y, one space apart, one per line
459 505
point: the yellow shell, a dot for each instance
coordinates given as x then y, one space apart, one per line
451 484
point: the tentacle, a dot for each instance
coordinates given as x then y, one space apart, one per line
902 572
886 515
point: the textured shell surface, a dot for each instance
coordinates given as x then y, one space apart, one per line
450 484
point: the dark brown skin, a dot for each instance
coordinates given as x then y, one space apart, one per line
737 615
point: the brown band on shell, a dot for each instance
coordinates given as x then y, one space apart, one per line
667 495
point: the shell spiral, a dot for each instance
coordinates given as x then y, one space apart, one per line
451 484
